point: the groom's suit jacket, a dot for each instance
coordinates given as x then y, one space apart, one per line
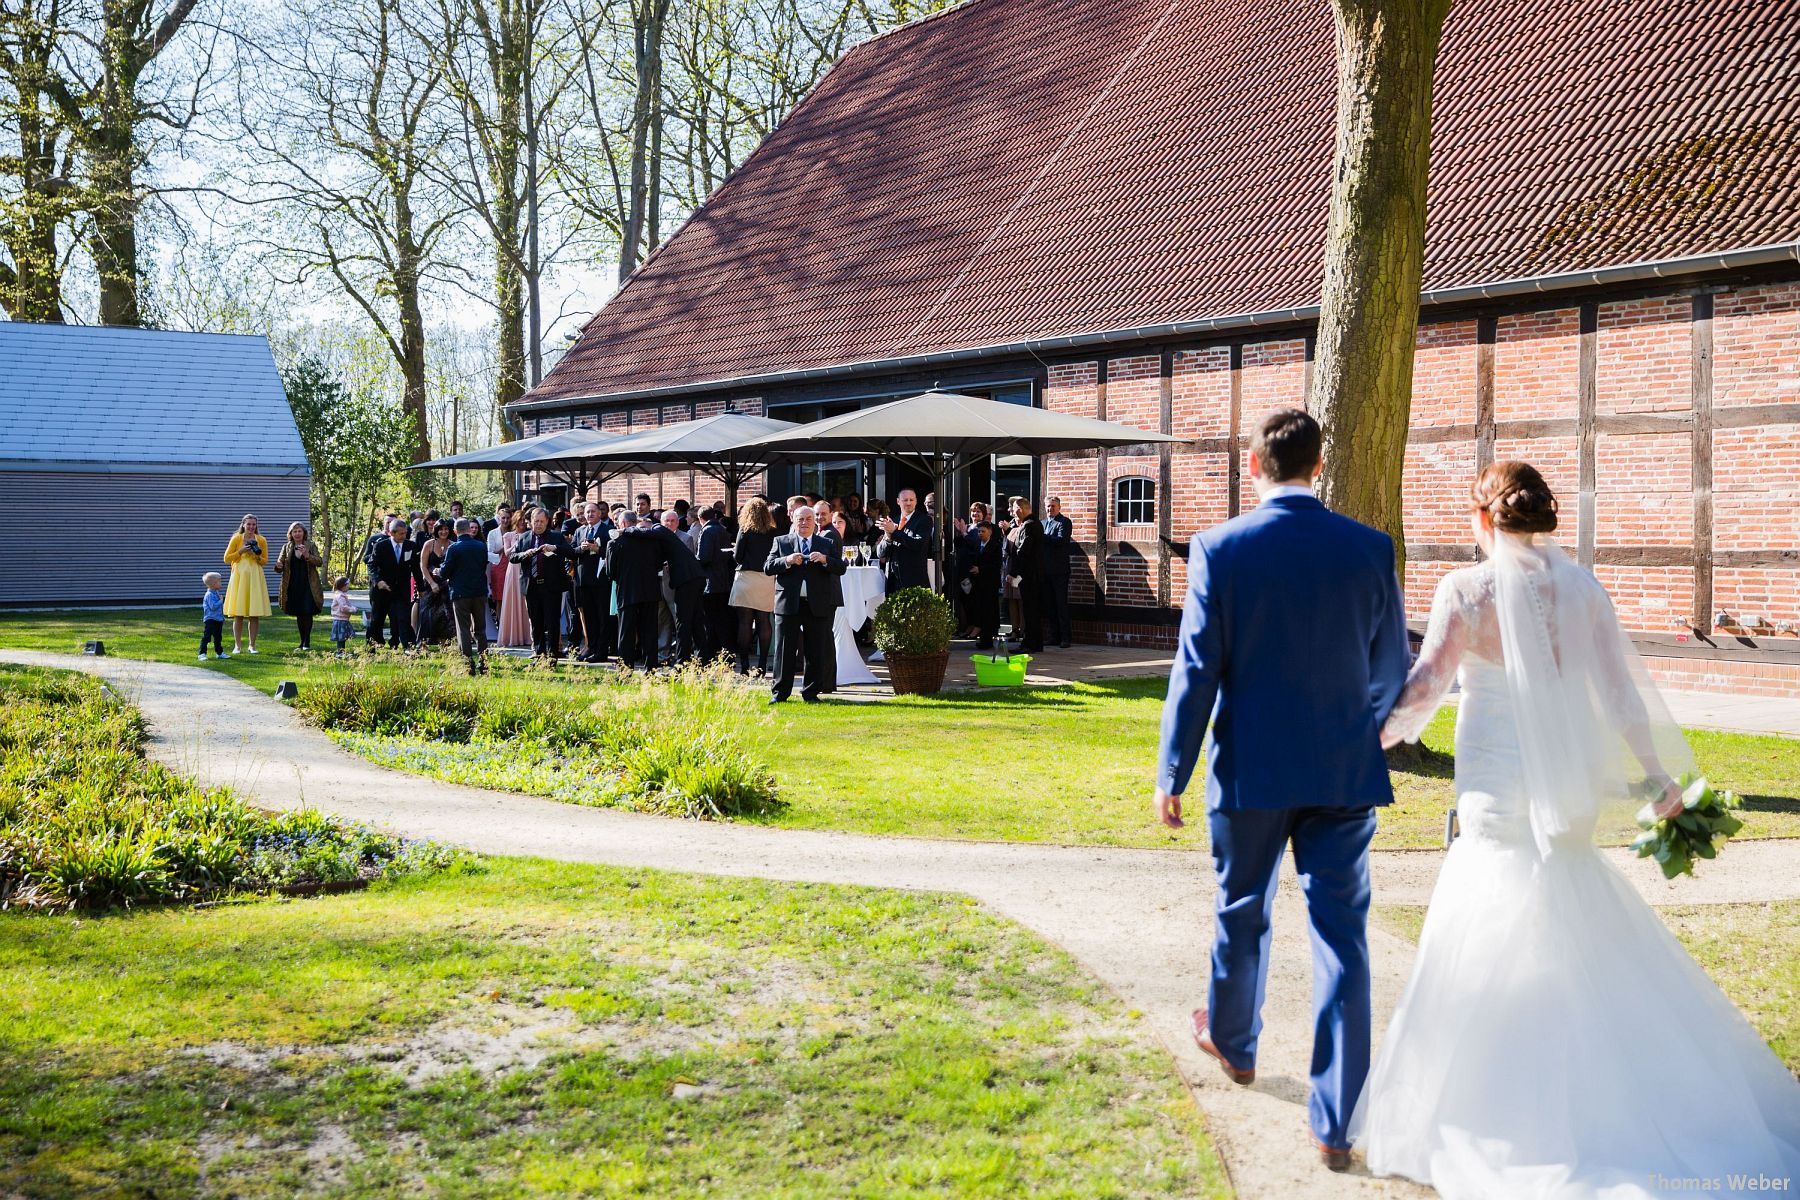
1293 641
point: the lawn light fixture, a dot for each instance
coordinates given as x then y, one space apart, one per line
287 689
96 648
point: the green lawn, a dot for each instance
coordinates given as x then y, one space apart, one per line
1070 765
539 1029
1752 951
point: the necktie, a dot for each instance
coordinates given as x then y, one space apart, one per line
805 547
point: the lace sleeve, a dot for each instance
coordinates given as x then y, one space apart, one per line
1447 638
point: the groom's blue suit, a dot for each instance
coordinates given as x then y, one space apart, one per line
1294 647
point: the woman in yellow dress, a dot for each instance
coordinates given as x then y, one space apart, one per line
247 595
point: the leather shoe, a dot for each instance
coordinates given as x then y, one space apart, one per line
1203 1039
1335 1158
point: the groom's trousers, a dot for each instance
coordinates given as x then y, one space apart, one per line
1331 857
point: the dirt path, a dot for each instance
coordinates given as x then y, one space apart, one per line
1139 919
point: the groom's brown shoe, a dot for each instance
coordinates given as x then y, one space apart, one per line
1203 1039
1335 1158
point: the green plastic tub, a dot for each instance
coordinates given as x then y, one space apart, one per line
1002 671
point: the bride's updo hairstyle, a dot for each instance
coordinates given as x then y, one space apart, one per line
1516 497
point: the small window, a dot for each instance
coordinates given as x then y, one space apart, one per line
1134 501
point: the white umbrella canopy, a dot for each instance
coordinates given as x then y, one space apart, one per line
562 454
946 431
957 427
525 452
721 446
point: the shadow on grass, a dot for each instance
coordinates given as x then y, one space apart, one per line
1416 758
1073 695
1771 804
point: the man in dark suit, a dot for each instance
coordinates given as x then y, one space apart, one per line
1293 634
687 582
1058 546
906 544
465 572
634 563
716 573
593 590
807 596
393 572
544 556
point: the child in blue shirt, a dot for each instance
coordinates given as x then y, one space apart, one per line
212 611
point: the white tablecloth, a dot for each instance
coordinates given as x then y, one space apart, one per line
864 590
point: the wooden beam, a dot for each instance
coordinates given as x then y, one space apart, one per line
1100 489
1749 416
1586 406
1234 438
1165 507
1486 333
1701 380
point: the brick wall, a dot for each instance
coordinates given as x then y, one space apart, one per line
1641 353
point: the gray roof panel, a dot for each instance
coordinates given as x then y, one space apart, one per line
75 394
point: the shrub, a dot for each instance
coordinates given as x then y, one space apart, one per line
629 741
914 621
86 822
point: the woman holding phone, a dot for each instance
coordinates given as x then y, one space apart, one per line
247 595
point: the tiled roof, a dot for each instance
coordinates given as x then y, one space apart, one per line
84 397
1012 170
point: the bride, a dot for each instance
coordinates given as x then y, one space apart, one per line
1555 1041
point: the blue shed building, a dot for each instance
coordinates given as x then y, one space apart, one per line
128 456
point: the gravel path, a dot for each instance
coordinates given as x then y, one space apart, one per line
1138 919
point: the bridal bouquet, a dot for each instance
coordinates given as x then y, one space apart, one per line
1706 818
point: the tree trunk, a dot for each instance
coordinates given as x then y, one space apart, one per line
647 48
1374 254
114 239
412 337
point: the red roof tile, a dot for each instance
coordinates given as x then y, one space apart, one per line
1019 169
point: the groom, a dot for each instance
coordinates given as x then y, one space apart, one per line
1294 646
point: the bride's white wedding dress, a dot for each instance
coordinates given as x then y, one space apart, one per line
1556 1041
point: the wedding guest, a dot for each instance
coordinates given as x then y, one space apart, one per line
874 515
543 555
1025 572
854 517
906 544
682 508
247 595
985 568
456 514
753 590
212 615
432 620
300 593
968 547
807 596
343 610
634 564
593 590
377 536
464 573
392 574
1059 547
515 625
495 529
642 500
714 557
686 585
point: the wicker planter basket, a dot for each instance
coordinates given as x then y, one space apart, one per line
917 674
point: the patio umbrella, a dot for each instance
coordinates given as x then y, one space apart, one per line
945 431
719 446
562 454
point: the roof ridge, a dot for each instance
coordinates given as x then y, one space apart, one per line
129 329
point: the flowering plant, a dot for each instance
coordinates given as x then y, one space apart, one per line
1705 818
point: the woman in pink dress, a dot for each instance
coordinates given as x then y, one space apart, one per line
515 626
